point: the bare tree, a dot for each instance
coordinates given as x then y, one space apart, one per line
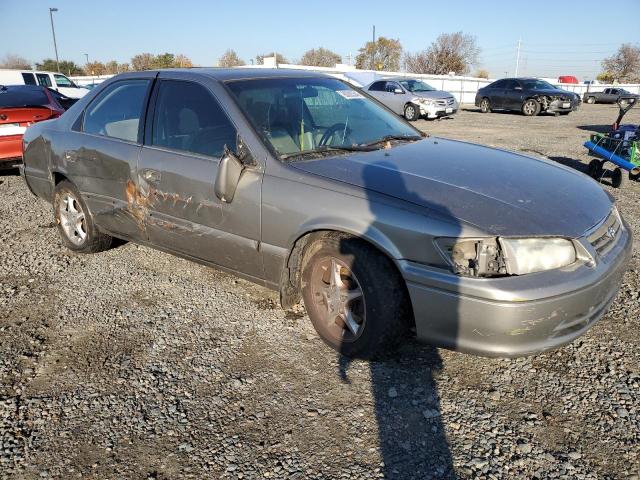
624 65
230 59
15 62
143 61
320 57
481 73
383 54
279 58
95 68
182 61
451 52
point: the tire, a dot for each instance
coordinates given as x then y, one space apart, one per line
530 108
370 291
591 100
596 169
619 178
411 112
634 176
75 224
485 105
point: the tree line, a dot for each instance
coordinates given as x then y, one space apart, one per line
451 52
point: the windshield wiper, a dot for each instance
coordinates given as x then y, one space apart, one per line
386 138
328 149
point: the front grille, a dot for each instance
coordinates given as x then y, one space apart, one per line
605 236
446 102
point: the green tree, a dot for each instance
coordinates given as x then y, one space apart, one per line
320 57
142 61
164 60
95 68
383 54
66 66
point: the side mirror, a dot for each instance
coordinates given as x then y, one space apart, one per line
398 90
229 172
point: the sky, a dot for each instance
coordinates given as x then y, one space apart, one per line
557 38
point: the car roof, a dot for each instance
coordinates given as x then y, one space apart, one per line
231 74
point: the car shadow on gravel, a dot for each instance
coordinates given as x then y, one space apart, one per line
595 128
412 440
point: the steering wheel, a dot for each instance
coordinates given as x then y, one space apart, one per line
330 132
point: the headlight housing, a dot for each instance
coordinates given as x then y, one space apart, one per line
424 101
530 255
490 257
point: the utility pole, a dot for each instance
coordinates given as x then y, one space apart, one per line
53 31
373 50
87 57
518 57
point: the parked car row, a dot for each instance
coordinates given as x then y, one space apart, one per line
20 107
304 184
55 81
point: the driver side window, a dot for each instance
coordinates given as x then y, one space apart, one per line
188 118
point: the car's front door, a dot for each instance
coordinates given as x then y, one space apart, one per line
397 97
100 154
187 131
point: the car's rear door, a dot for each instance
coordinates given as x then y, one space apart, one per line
100 154
496 92
513 95
187 131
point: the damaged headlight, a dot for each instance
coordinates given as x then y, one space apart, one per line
489 257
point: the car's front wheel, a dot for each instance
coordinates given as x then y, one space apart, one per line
75 225
411 112
485 105
531 108
354 296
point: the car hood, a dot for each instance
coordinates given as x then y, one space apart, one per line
436 94
499 192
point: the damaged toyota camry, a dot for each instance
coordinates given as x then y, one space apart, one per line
303 184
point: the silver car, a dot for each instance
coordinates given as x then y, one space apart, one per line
305 185
413 98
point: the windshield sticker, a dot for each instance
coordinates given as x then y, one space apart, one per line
350 94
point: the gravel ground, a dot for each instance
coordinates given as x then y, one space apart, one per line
135 364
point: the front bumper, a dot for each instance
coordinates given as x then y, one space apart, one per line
437 111
514 316
559 106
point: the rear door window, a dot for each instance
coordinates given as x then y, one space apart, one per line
377 87
116 112
498 84
44 80
29 79
188 118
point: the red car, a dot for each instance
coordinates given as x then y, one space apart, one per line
567 79
20 106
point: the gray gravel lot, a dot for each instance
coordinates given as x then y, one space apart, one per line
135 364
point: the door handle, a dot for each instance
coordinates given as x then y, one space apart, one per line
151 175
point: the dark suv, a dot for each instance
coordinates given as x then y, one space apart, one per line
530 96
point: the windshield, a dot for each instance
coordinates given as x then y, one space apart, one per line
298 115
416 86
63 81
537 85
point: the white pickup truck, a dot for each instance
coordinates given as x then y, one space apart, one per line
55 81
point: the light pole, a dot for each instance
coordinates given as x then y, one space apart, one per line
53 31
86 55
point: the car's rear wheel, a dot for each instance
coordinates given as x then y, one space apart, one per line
75 225
485 105
619 178
354 296
531 108
591 100
411 112
596 169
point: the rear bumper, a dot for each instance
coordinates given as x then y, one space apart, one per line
514 316
10 149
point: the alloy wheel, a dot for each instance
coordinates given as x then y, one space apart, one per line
339 299
72 219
